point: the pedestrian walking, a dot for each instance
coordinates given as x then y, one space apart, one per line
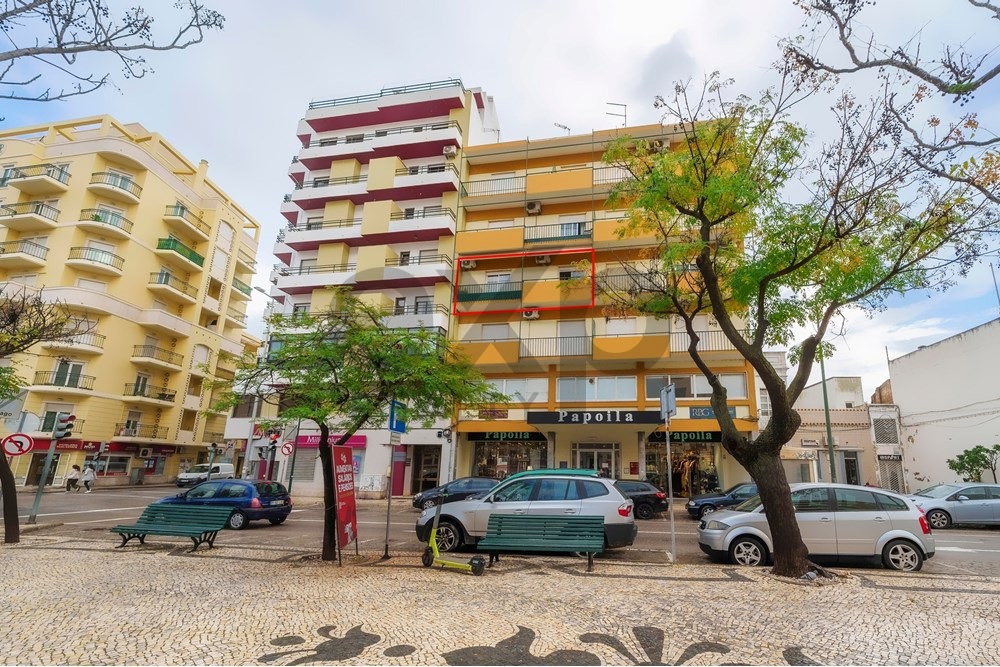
89 475
73 479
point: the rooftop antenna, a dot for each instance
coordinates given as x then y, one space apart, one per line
563 127
624 112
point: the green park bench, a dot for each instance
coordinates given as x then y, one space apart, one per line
201 523
570 534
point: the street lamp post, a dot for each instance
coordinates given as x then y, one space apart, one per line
213 451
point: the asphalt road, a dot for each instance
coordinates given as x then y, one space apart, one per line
967 550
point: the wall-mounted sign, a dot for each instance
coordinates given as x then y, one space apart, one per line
685 436
595 417
493 413
508 436
708 412
890 457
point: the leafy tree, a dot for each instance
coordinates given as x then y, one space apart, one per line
26 319
771 236
50 36
342 368
971 463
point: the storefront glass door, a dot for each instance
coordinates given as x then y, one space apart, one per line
602 458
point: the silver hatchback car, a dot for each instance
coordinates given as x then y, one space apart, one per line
839 523
966 502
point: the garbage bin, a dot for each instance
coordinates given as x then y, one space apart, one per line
136 476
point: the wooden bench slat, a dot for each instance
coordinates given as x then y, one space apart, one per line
200 523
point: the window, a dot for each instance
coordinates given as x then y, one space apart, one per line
811 500
247 407
68 374
314 223
855 500
605 388
571 225
300 309
404 257
428 256
764 406
497 278
568 274
499 224
499 331
517 491
424 305
890 504
591 489
435 168
523 390
557 489
409 213
400 307
355 139
321 182
307 266
381 133
973 493
696 386
8 172
328 142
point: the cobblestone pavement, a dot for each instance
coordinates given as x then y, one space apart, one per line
78 600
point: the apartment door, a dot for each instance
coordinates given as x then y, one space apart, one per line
602 458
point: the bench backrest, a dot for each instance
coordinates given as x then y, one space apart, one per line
185 515
549 528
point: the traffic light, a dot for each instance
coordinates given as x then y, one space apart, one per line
64 426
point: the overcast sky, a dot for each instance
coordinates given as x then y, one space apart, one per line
235 100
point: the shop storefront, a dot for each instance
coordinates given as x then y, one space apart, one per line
498 454
694 465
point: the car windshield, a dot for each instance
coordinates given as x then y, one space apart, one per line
938 491
201 467
733 489
748 505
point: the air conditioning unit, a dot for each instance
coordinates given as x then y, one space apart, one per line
468 263
531 314
450 151
533 207
145 453
543 259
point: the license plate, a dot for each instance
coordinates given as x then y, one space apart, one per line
277 502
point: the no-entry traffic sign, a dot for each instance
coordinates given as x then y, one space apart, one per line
16 444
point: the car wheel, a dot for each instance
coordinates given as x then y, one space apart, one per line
644 511
707 509
237 520
428 504
939 519
449 537
902 555
747 551
277 521
427 558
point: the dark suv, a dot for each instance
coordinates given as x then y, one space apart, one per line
456 489
706 503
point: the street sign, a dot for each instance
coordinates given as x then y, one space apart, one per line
396 425
16 444
286 447
395 438
668 401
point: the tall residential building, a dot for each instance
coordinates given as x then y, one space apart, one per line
112 221
374 207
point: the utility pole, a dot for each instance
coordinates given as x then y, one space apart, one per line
829 429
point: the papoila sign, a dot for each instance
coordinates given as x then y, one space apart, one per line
585 417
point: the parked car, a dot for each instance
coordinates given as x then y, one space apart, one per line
534 492
646 497
252 500
199 473
706 503
457 489
968 502
839 523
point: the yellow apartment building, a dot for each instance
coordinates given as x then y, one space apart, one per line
112 221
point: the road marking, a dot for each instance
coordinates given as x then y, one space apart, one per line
968 551
112 509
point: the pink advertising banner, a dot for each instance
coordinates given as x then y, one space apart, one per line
343 484
355 441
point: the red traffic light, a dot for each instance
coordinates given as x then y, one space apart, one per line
64 426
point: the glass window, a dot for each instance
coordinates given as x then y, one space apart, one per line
994 492
234 490
735 384
518 490
855 500
207 490
424 304
973 493
811 500
570 389
555 489
890 503
591 489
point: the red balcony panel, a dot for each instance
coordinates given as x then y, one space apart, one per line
403 151
386 114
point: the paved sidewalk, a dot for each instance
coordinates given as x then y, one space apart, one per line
73 600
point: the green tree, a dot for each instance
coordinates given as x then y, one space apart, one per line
342 368
771 236
26 319
971 463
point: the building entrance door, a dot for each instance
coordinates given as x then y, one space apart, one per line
427 470
37 465
602 458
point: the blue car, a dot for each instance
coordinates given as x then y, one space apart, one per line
252 500
706 503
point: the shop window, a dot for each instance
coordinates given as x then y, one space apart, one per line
611 388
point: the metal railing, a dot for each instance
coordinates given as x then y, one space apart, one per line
246 258
158 353
426 212
357 99
177 211
323 224
133 430
109 218
145 391
419 259
123 183
64 379
563 231
213 436
319 268
325 182
97 256
26 247
242 287
609 175
568 346
180 249
417 309
47 169
91 339
490 292
175 283
38 208
427 169
234 314
377 134
494 186
708 341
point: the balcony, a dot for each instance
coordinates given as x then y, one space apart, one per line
564 232
403 103
62 382
241 290
150 355
15 255
316 193
142 393
649 348
130 432
490 292
426 224
414 316
164 322
407 142
432 180
102 221
236 316
245 261
494 191
39 179
168 285
115 186
95 260
312 234
84 343
173 249
566 346
29 216
303 279
183 220
422 270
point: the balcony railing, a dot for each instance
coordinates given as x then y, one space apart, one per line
26 247
64 379
325 182
38 208
357 99
180 249
109 218
708 341
234 314
91 339
427 169
369 136
417 309
176 211
419 259
97 256
147 431
568 346
52 171
158 353
494 186
145 391
612 174
246 258
123 183
306 270
564 231
311 225
426 212
490 292
176 283
242 287
213 436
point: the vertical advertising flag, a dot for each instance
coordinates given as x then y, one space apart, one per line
343 480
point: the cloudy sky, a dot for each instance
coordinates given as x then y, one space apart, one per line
235 100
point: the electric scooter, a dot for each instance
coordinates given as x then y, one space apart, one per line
431 555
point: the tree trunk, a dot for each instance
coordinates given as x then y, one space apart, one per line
329 497
11 523
791 557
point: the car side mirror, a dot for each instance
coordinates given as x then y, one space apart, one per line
962 498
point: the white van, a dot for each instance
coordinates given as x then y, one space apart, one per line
199 473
